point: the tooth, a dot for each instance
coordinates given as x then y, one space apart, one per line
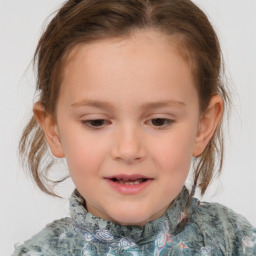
130 182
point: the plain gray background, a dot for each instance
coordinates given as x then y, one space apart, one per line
24 209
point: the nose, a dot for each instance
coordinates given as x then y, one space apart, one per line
128 145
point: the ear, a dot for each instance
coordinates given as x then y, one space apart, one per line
208 124
49 125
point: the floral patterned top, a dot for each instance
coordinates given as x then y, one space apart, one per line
212 230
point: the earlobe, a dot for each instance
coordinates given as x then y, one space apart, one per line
50 128
208 124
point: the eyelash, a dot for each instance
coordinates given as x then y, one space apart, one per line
167 122
88 123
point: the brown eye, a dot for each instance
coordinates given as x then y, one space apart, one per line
98 122
160 121
94 124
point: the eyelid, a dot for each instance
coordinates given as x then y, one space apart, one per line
86 123
169 123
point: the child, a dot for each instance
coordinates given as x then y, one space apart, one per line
130 95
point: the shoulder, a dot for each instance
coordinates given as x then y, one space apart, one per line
49 241
224 227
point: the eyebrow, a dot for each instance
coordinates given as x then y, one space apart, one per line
159 104
144 106
93 103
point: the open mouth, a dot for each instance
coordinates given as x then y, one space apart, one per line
129 181
129 184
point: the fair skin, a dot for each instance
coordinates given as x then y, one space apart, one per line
131 163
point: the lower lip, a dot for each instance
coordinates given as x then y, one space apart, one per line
129 189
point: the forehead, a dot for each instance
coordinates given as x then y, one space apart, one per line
136 40
145 62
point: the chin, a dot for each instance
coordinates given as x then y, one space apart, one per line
130 217
131 221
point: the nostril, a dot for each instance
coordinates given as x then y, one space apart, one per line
128 148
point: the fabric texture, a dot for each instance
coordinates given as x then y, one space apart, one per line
212 230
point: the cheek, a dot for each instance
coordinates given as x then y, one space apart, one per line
174 154
173 160
83 153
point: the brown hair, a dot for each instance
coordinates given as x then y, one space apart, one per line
83 21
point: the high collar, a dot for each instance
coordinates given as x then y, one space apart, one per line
87 222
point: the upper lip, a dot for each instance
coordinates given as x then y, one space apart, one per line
127 177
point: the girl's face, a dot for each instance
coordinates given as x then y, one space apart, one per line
127 120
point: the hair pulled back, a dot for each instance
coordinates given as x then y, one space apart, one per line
84 21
